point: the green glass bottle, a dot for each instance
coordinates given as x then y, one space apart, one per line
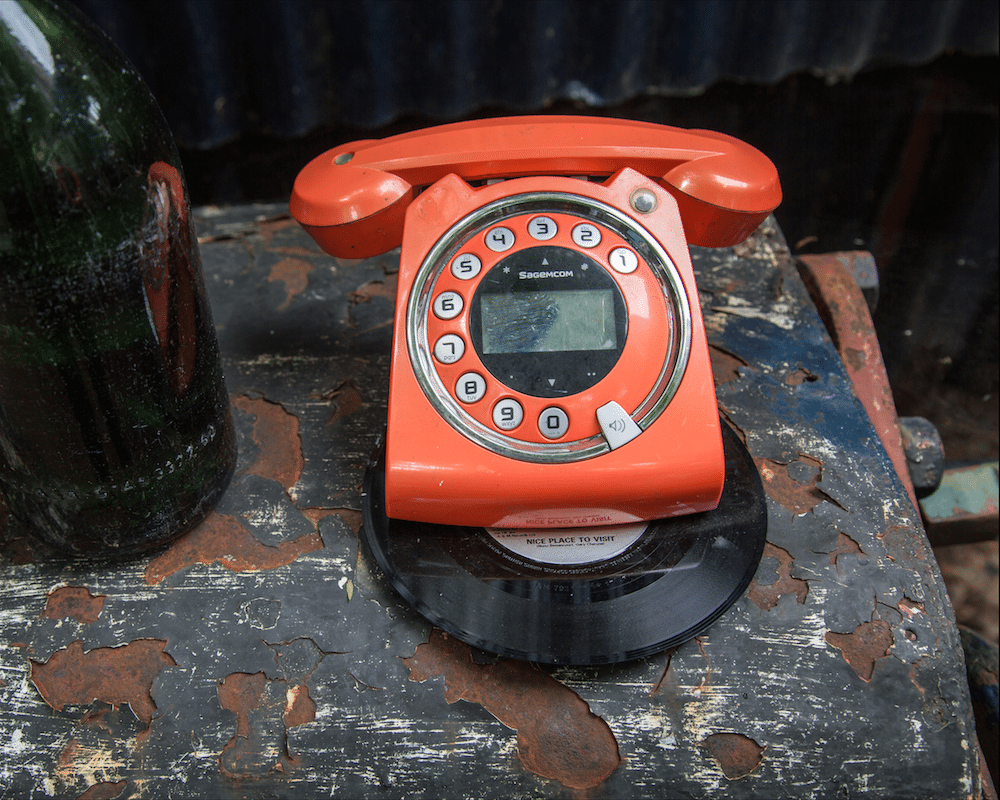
115 428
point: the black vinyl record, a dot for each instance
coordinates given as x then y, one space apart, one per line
537 596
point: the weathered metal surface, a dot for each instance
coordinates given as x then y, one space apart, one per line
924 453
966 505
842 305
263 656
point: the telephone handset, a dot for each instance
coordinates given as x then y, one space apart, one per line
549 367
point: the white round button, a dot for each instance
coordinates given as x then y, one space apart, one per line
499 239
449 348
542 228
553 422
466 266
586 235
470 387
623 260
507 414
448 305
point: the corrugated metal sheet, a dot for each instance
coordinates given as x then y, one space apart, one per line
881 140
222 69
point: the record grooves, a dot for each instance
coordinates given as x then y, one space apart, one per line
674 580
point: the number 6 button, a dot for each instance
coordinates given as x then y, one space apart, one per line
448 305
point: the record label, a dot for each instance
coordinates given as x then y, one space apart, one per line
565 546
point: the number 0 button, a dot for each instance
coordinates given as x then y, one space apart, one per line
448 305
553 422
470 387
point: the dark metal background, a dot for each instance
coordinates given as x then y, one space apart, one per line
225 69
881 117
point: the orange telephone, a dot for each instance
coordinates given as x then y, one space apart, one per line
550 367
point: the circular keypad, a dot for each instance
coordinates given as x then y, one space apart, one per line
535 311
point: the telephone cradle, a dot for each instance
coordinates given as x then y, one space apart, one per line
554 483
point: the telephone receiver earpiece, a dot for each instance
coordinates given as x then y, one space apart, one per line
353 199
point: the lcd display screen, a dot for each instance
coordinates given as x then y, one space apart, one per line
548 322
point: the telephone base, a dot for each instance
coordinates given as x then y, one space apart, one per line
579 596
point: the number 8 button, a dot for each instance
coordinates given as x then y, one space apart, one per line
470 387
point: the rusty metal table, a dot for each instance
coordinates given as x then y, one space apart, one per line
262 655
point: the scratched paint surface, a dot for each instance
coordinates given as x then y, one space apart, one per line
263 656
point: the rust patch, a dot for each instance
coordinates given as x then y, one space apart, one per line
276 433
242 693
294 274
259 750
225 540
910 608
267 228
349 516
846 546
666 669
265 710
369 291
558 737
844 310
346 399
854 358
766 596
113 675
798 497
738 755
293 250
869 642
903 542
800 376
300 708
725 365
103 791
74 602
